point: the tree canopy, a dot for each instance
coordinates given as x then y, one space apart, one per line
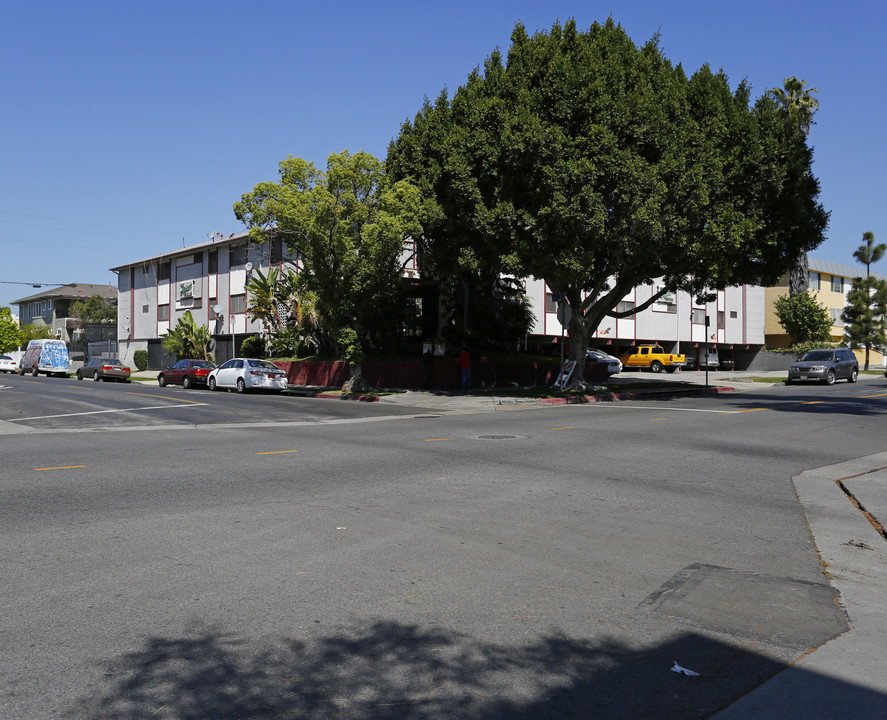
803 318
598 166
10 338
349 227
94 310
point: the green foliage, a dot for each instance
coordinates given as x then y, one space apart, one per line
188 339
800 348
803 318
94 310
140 359
10 338
796 102
253 346
864 314
864 324
350 346
33 332
598 166
348 226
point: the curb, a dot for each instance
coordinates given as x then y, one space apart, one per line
616 397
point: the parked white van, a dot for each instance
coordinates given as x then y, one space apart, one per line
45 356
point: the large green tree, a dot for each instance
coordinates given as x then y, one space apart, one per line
348 226
599 166
864 324
10 338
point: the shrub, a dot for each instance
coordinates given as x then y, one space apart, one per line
140 359
253 346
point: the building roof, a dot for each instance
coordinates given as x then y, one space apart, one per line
71 291
833 268
216 242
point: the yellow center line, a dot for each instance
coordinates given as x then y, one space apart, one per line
166 397
748 410
566 427
436 439
63 467
656 419
864 397
276 452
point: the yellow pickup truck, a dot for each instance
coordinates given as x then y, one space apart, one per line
652 357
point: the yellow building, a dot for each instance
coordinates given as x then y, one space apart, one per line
829 282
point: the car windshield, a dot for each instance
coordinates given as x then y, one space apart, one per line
819 355
263 364
202 364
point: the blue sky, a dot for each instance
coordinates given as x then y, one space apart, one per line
128 130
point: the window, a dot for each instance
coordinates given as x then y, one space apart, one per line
237 255
625 305
212 313
837 284
734 315
162 312
198 258
813 281
836 316
722 321
276 250
163 271
666 307
213 261
550 304
698 316
145 309
238 304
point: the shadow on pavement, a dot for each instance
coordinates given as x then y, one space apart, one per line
389 671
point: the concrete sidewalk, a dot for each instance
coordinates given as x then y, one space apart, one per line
846 677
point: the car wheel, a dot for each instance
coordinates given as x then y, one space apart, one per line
830 377
788 381
34 372
212 383
79 375
186 382
161 381
96 376
670 369
656 366
854 374
241 386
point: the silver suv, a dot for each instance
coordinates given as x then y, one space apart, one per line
825 366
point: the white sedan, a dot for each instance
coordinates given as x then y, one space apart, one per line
244 374
7 364
614 365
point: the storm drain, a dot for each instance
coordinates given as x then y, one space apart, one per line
497 437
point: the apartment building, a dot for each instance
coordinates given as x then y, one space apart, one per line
208 279
52 308
829 283
677 322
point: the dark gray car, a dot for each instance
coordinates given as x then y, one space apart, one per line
825 366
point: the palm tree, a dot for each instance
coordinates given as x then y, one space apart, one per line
797 102
798 105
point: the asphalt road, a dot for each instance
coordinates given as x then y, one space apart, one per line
264 556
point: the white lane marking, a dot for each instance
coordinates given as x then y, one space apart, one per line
101 412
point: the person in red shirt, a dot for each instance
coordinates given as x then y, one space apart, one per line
465 366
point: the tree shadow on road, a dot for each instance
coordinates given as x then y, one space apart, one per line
392 671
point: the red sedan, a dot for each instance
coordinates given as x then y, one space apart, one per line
186 373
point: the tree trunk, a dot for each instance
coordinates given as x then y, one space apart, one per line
356 383
798 278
